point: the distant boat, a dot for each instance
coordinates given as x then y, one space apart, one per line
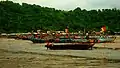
105 39
69 40
37 40
58 40
24 37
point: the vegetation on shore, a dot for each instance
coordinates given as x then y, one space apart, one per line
26 17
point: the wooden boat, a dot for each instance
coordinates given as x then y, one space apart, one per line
37 40
80 45
67 40
24 37
106 39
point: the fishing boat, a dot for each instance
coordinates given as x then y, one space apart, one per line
67 40
58 40
73 45
106 39
24 36
37 40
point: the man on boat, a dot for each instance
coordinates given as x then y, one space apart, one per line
50 43
87 36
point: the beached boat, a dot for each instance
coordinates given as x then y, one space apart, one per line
68 40
73 40
80 45
106 39
24 37
58 40
37 40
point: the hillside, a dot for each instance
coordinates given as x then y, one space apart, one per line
26 17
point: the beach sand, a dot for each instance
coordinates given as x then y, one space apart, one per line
25 54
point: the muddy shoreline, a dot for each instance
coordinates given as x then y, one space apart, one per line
25 54
30 60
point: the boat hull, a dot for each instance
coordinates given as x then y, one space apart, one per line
37 40
78 46
106 40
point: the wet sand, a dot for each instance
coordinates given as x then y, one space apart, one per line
25 54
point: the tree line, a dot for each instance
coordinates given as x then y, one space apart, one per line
27 17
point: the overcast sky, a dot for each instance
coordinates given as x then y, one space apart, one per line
72 4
